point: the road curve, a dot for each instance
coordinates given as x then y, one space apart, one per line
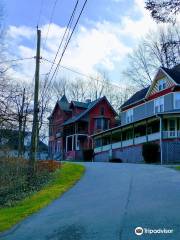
108 203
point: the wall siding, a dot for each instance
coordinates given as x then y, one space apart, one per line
147 109
132 154
171 151
168 102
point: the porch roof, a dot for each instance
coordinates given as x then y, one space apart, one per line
126 125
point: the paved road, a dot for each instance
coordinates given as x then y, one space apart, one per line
107 204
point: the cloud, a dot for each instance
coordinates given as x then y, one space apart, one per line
89 48
102 44
20 32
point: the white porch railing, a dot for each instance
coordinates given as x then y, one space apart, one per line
139 140
171 134
127 143
153 136
116 145
106 147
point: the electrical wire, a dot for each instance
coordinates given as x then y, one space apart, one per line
82 74
50 21
40 12
64 35
85 2
16 60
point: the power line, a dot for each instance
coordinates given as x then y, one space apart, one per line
85 2
50 21
16 60
82 74
40 12
64 35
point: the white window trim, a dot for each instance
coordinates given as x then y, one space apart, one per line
174 100
161 82
155 104
128 115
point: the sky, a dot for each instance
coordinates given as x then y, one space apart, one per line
107 32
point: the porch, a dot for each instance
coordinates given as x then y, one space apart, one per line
154 129
76 142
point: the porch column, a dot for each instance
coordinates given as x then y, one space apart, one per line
102 143
161 137
66 142
146 130
72 142
121 137
133 134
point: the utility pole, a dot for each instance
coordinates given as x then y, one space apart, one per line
34 135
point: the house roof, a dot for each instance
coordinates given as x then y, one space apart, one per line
82 114
64 104
174 73
138 96
80 104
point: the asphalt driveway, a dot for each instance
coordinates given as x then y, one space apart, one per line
108 203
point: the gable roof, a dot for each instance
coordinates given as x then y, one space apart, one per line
82 114
174 73
64 104
79 104
138 96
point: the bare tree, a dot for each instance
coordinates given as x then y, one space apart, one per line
59 87
163 10
158 48
77 89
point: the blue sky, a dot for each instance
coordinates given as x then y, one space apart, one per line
20 12
107 32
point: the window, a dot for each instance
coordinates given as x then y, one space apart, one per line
102 123
172 125
102 111
177 100
98 123
129 116
161 84
159 105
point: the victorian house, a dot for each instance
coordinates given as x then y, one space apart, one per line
150 115
71 125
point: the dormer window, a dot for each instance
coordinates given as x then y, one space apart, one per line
129 116
161 84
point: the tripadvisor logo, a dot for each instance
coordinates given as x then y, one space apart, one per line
139 231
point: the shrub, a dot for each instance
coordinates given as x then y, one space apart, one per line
88 154
14 184
115 160
150 152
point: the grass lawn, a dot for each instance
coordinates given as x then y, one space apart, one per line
177 168
63 179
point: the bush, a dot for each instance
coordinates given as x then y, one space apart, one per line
14 184
88 154
150 152
115 160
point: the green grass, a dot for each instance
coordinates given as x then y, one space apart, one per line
177 168
63 179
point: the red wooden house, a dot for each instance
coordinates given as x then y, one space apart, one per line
72 124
